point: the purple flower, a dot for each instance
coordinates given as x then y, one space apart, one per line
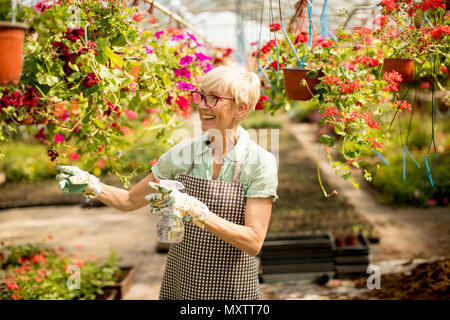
183 72
158 34
176 37
202 57
193 38
207 67
149 49
169 100
185 86
186 60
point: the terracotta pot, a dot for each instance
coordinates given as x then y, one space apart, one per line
11 51
351 238
403 66
339 240
292 78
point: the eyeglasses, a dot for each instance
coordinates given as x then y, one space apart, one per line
210 100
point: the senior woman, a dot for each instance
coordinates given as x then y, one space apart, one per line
227 171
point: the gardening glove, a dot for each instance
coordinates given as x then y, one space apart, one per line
74 180
171 202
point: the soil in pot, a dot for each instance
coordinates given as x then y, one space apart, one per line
295 90
403 66
11 51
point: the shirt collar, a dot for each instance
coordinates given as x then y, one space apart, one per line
235 154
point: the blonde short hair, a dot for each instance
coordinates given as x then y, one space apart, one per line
236 81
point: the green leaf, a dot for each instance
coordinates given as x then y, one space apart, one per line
115 59
119 41
327 140
102 46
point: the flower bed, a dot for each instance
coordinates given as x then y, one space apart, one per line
33 272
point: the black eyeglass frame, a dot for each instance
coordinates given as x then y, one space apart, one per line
203 98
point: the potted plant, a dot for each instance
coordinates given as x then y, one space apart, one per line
408 32
12 34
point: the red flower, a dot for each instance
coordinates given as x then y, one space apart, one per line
348 86
443 68
425 85
403 105
437 32
375 143
331 111
301 38
393 78
275 26
183 103
379 21
274 65
90 80
74 34
73 155
327 43
260 103
367 116
389 5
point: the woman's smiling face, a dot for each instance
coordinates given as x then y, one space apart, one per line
221 116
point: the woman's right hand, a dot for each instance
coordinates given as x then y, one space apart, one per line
74 180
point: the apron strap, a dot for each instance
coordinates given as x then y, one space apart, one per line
190 169
237 171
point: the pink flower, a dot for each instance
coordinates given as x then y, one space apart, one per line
79 263
101 148
158 34
424 85
207 68
176 37
58 138
73 155
138 16
126 131
153 162
38 279
185 86
65 115
193 38
40 7
183 72
201 57
431 201
186 60
130 114
79 246
149 49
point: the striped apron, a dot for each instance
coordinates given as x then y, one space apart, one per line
202 266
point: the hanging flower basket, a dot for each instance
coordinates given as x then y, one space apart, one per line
403 66
11 51
293 86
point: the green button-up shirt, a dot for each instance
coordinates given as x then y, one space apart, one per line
259 168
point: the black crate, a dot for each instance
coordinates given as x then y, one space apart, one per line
297 256
351 262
